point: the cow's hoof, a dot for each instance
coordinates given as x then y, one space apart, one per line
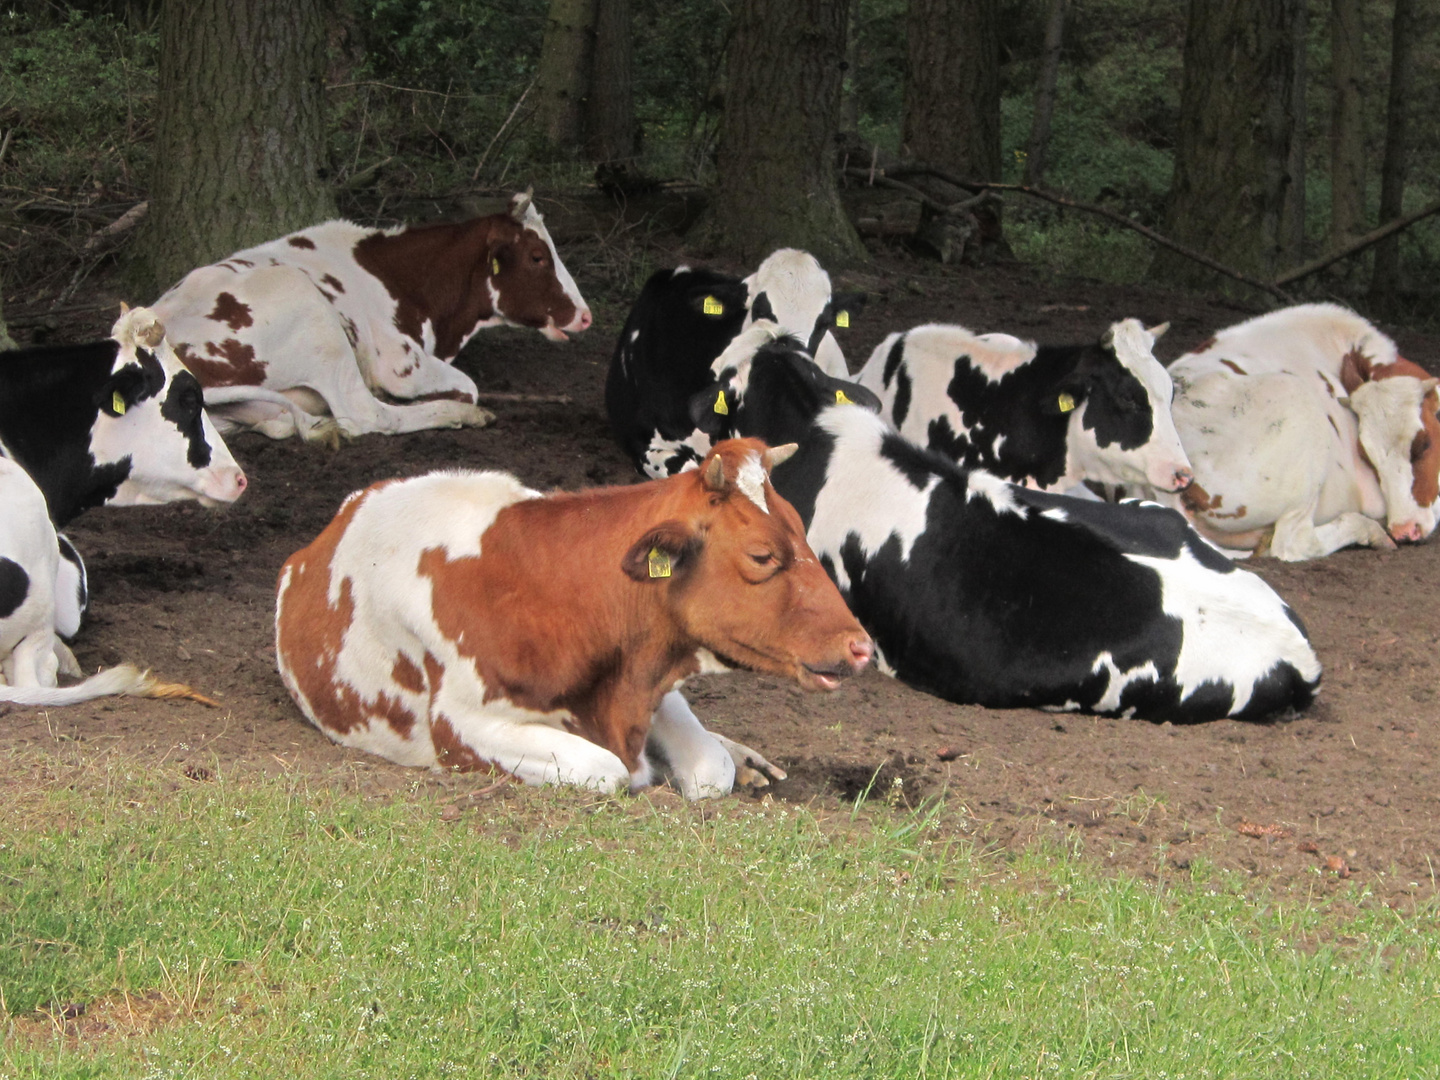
477 417
751 769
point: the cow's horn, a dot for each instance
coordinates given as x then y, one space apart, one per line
1157 332
714 475
778 455
521 202
124 307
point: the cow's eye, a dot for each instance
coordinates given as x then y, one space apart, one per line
762 558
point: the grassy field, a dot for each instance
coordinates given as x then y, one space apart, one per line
277 928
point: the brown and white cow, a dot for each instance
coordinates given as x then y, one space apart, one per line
325 319
460 620
1307 429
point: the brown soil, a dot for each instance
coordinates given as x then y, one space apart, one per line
189 592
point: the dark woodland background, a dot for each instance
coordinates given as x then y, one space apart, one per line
139 138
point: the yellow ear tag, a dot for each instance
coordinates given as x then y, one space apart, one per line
659 562
117 404
720 406
1067 403
842 320
494 266
841 399
713 306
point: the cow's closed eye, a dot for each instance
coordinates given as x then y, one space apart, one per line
762 558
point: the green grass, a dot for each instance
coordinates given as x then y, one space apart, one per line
273 930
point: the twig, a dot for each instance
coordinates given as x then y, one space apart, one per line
501 131
5 143
102 239
881 180
356 179
387 86
1357 246
500 398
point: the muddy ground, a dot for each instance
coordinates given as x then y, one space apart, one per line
1347 790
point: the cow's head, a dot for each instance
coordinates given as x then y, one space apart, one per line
1121 430
150 422
739 577
791 289
1395 405
528 284
767 387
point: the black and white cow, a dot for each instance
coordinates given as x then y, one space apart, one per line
118 421
985 592
1048 416
42 598
683 319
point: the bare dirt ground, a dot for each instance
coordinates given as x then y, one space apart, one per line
1343 795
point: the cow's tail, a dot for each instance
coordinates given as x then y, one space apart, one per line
123 679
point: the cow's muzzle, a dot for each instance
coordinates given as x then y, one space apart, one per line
859 651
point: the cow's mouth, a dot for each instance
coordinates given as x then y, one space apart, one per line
812 676
553 332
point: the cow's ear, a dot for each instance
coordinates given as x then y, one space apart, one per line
845 306
1354 370
711 409
121 392
665 551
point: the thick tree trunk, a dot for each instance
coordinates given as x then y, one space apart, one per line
610 110
850 87
6 341
1386 277
1292 213
240 141
567 58
952 86
1039 144
1234 137
777 136
1347 127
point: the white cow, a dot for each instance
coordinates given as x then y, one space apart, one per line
1307 429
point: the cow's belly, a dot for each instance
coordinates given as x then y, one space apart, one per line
1259 445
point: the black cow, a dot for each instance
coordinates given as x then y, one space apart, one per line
683 320
112 422
1050 415
984 592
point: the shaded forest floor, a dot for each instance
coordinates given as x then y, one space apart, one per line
1344 793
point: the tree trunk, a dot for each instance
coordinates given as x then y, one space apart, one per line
1347 127
240 140
1386 277
952 86
782 109
850 85
1292 213
610 111
1233 138
1039 144
567 58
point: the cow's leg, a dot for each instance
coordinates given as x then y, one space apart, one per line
421 377
1297 537
751 770
692 758
359 412
33 661
533 751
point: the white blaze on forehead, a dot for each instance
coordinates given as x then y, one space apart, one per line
751 480
1389 414
1134 347
535 223
796 286
864 494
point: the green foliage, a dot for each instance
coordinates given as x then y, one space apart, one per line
554 933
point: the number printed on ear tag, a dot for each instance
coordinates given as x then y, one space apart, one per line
659 563
712 306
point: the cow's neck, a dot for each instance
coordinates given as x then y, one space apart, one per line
430 271
47 410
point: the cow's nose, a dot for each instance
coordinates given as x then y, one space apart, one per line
585 319
1407 532
240 482
862 649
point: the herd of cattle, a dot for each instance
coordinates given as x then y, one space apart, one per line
936 512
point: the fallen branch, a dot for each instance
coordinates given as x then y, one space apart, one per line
879 179
101 240
495 397
485 155
1358 245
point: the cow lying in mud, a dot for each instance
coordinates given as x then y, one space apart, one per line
460 620
984 592
323 320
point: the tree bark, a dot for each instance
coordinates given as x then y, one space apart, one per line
1347 128
1234 137
240 141
610 110
1292 213
777 135
563 75
1386 275
952 86
1039 144
6 341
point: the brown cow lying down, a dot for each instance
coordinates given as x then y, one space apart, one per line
325 319
460 620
